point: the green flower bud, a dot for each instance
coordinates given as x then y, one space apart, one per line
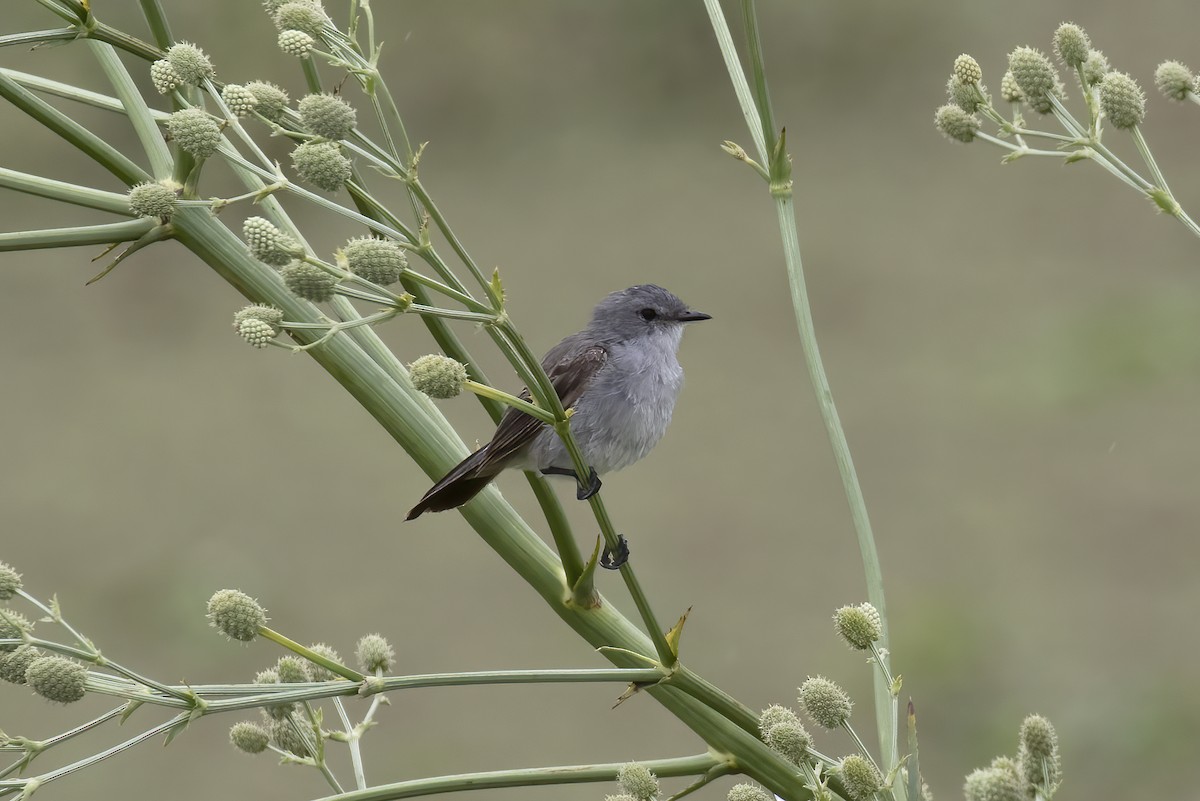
858 625
10 581
322 165
285 737
970 97
790 739
301 16
240 100
374 653
249 738
1037 754
195 132
637 780
320 672
861 778
308 281
967 69
268 244
256 332
272 100
164 77
438 376
236 615
956 124
1009 764
773 715
1036 77
14 665
825 702
13 626
992 784
1122 100
56 678
1095 68
1009 89
153 199
296 43
1071 44
749 792
327 116
190 63
292 669
274 711
1174 80
380 261
267 314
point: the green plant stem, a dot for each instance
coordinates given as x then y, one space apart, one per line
456 244
38 37
733 66
156 19
40 746
65 192
510 400
144 126
107 233
356 760
309 654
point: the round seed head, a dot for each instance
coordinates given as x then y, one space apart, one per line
380 261
319 672
637 780
248 737
322 165
241 101
1009 89
970 97
1174 80
1095 68
267 314
1072 45
1009 764
153 199
861 778
775 714
967 69
1122 100
190 63
10 581
858 625
235 614
992 784
164 77
268 244
1036 77
292 669
13 626
195 132
327 116
301 16
257 333
285 737
790 739
749 792
374 653
296 43
438 376
272 100
13 665
825 702
955 123
56 678
308 281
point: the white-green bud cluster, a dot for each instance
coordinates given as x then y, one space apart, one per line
858 625
14 665
749 792
268 315
438 376
637 780
235 614
301 16
380 261
249 737
286 736
164 77
271 99
1009 89
1095 68
1036 76
195 132
1072 44
860 777
992 784
240 100
154 199
292 669
257 333
825 702
374 653
10 581
190 63
57 678
1122 100
1037 755
955 123
268 244
322 165
308 281
789 739
296 43
970 97
13 626
967 69
319 672
327 116
1174 80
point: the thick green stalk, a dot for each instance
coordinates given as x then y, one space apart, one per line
67 193
144 126
106 234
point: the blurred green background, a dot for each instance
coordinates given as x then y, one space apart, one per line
1014 350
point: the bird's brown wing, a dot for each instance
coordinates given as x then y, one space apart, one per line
570 368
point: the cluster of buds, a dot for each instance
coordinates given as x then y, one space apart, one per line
1035 773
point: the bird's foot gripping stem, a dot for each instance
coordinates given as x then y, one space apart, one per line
585 491
614 559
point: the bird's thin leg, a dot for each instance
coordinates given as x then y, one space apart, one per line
613 560
585 491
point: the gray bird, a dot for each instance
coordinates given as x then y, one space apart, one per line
620 375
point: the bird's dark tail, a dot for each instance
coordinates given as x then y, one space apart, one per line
466 480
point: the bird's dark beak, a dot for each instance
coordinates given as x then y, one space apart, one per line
690 316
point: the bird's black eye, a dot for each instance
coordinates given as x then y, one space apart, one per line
647 314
